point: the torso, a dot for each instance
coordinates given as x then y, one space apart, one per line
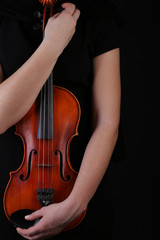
74 72
1 74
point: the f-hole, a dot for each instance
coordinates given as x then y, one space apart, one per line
61 166
22 176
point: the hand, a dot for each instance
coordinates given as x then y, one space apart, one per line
61 28
53 219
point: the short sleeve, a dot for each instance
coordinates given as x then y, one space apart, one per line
107 36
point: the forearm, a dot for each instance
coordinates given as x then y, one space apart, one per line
19 91
95 162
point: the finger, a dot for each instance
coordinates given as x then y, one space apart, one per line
40 236
69 7
30 232
76 14
35 215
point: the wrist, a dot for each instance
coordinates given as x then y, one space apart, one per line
50 49
76 204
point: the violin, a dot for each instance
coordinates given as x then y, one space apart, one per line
46 175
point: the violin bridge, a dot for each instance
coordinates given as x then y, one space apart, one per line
45 165
45 196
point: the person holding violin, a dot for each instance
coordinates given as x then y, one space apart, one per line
81 47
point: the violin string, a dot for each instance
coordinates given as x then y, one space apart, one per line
44 137
39 142
51 14
52 117
52 129
44 122
49 112
53 151
48 133
39 138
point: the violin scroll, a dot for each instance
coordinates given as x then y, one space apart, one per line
48 2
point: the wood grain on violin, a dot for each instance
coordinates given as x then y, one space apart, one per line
45 175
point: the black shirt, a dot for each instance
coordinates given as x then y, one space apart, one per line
73 70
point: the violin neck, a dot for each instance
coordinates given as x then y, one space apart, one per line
46 113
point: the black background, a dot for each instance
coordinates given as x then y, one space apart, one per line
134 181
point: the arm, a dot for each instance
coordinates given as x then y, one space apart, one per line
106 115
19 91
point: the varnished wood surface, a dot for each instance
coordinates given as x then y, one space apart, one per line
45 165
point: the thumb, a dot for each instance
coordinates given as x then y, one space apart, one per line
34 215
56 15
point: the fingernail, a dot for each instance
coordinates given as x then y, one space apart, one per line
28 216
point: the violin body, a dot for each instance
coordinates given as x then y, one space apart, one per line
45 175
